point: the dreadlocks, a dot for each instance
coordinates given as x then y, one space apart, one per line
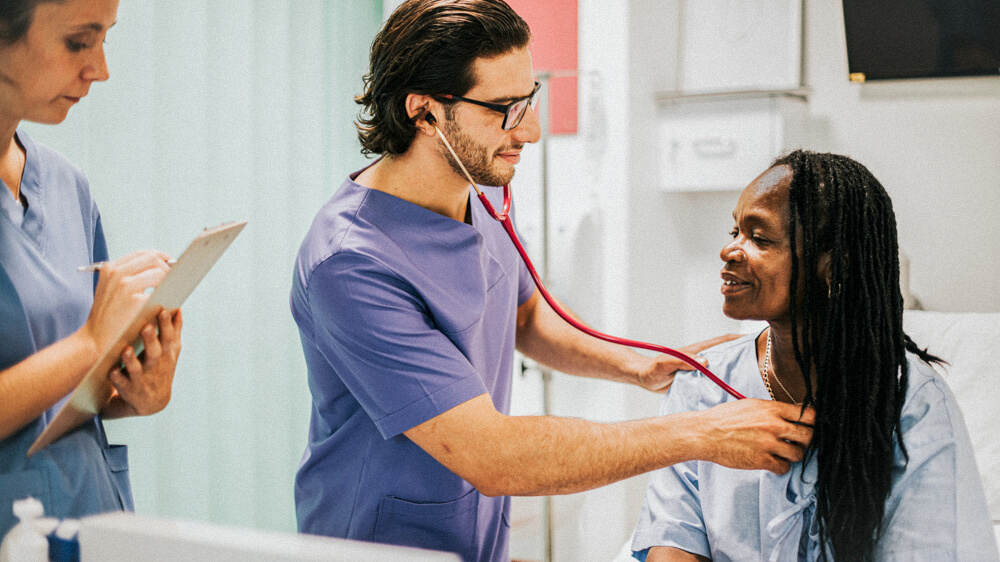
850 328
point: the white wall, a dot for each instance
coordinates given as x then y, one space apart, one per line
934 144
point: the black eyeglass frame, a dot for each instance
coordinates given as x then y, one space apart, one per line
502 108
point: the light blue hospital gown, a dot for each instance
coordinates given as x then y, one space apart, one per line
937 510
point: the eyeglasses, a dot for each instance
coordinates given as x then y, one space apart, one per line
513 112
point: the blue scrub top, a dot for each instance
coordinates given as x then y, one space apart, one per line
936 510
44 299
403 314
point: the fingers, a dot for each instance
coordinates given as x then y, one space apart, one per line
135 263
659 375
131 361
122 286
152 343
119 380
807 418
146 278
170 324
793 412
140 258
793 427
669 363
682 365
778 466
758 434
798 434
661 387
130 277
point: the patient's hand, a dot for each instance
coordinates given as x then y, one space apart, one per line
659 372
671 554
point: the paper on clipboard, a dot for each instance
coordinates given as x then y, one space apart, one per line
95 389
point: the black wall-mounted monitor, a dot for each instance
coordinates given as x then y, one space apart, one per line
894 39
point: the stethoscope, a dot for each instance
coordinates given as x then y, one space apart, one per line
504 218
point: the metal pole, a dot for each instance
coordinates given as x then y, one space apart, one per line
544 78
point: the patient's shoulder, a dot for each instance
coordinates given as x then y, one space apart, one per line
734 362
731 348
924 382
929 399
731 356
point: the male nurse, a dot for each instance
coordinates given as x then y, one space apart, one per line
410 301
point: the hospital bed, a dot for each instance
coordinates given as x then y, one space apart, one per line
969 342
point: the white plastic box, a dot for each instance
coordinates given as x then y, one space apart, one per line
720 144
121 537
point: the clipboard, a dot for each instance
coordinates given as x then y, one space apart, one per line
95 388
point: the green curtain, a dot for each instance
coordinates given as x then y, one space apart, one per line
220 110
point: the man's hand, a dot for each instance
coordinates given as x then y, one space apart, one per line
755 434
658 373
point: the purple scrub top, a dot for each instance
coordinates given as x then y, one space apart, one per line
403 314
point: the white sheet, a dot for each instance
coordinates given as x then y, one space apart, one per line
970 342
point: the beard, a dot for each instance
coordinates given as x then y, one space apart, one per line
476 158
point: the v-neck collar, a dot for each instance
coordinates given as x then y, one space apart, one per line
28 220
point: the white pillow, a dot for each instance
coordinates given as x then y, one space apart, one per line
970 343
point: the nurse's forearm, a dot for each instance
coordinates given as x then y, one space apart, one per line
35 384
545 337
542 455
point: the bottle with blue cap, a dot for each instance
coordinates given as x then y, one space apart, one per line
64 545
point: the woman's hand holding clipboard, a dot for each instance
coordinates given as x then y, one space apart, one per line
96 389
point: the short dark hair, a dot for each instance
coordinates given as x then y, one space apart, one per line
429 47
16 17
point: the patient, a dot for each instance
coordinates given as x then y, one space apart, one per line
890 473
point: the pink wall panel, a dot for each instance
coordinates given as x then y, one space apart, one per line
554 48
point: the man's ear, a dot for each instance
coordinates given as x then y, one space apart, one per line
418 107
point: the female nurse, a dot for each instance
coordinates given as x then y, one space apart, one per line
54 320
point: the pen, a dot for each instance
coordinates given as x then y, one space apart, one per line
97 266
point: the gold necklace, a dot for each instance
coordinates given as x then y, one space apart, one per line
767 383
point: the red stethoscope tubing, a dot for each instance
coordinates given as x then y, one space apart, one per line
508 225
